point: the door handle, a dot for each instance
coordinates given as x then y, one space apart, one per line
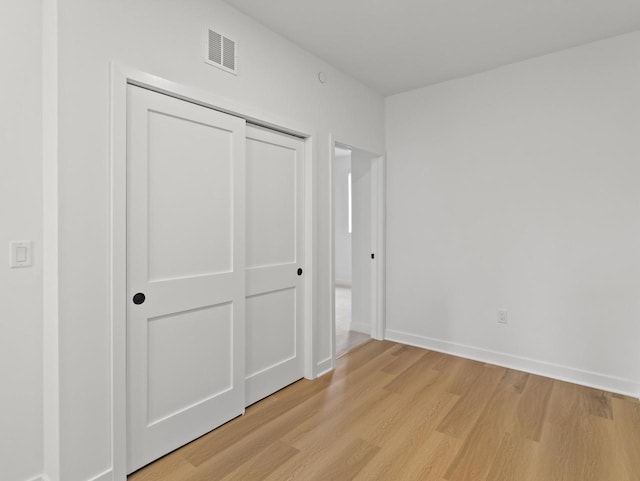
139 298
299 271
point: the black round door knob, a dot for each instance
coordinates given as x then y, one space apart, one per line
299 271
139 298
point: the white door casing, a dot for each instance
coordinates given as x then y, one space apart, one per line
185 252
275 257
376 280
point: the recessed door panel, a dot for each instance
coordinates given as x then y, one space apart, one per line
271 203
184 351
190 203
271 329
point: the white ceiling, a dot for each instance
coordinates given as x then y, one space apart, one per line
398 45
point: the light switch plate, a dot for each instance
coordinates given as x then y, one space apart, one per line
21 254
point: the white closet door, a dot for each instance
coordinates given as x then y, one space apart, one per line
275 252
186 256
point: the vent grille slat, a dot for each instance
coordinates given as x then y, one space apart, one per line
221 52
229 53
215 47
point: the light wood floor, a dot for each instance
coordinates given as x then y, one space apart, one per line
393 412
346 340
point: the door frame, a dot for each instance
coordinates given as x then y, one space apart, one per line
378 226
120 77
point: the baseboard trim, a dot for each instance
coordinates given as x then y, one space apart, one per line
40 477
104 476
324 367
362 327
533 366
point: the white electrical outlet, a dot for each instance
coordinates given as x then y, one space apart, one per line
502 316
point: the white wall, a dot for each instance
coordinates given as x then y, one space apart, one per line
518 189
164 37
341 170
361 241
21 214
50 301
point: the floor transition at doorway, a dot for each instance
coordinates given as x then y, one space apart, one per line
345 339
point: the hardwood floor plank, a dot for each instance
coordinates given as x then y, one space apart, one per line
532 407
616 452
481 446
513 460
514 381
417 373
172 467
347 464
401 348
626 398
598 403
465 413
626 415
565 400
344 406
264 464
397 458
444 362
577 451
319 463
423 411
432 458
311 435
462 374
360 356
404 359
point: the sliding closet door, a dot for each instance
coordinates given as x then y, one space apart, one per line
186 272
275 254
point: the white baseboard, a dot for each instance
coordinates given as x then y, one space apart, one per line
363 327
324 367
40 477
533 366
104 476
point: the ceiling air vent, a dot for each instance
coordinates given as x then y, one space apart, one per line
221 52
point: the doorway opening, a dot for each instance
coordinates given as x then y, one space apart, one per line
355 232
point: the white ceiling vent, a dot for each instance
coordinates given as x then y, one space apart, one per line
221 52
